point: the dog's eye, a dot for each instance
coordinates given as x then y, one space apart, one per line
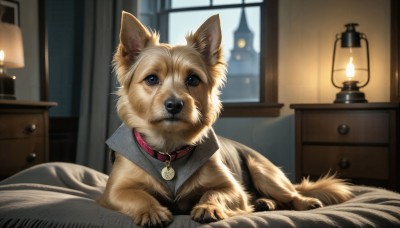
193 80
152 80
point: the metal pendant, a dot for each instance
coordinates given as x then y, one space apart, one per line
168 173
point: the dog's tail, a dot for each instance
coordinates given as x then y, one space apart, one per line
328 189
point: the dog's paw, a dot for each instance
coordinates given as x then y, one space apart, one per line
155 217
306 203
206 213
264 204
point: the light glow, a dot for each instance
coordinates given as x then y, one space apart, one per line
350 69
241 43
2 55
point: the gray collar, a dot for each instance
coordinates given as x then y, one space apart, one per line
123 142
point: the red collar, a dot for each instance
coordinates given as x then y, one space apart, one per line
160 155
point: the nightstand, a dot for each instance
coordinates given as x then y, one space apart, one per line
23 135
358 142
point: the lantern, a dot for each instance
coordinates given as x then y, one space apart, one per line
350 65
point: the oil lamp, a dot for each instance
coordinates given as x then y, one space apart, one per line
350 65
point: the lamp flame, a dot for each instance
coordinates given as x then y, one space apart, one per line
2 55
350 70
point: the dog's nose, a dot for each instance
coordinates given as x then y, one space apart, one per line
173 105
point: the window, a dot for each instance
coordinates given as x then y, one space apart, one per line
249 31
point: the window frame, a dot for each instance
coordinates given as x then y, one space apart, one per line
268 105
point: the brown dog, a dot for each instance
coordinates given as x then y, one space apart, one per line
168 159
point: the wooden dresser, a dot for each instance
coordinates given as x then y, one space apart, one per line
359 142
23 135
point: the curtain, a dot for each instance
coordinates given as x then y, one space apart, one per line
98 118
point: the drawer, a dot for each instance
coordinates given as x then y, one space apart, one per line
347 162
18 154
346 126
21 125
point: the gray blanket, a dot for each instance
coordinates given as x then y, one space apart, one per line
63 195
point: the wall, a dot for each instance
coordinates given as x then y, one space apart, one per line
306 35
27 84
307 30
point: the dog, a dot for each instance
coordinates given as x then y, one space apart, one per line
168 160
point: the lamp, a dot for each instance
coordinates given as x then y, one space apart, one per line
350 65
11 56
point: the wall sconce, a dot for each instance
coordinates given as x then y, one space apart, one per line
350 65
11 56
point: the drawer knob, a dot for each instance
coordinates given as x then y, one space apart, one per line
344 163
31 157
343 129
31 128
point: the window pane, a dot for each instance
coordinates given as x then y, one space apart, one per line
232 2
241 42
186 3
253 1
226 2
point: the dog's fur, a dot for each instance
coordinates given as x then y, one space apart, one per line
236 179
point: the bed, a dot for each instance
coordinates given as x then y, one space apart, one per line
64 194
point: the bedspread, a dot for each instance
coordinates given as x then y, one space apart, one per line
64 194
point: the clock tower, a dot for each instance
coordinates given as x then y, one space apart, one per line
243 66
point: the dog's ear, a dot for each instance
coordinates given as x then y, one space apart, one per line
133 36
207 40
